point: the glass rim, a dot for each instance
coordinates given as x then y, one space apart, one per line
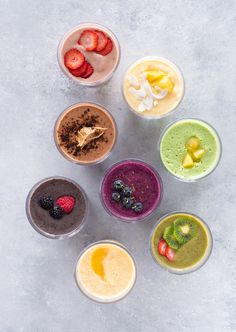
178 71
67 110
201 262
37 228
219 156
148 216
118 244
68 33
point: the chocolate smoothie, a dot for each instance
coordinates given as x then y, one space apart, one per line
57 207
85 133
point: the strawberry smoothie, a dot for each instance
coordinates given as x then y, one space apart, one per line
89 54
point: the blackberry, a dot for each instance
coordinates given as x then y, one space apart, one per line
46 202
56 212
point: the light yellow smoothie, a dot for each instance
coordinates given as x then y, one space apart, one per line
105 272
153 87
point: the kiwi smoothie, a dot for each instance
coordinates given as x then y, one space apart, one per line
181 242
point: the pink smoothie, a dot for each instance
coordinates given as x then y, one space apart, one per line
104 66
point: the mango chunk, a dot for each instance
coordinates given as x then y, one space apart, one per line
197 155
164 83
188 161
192 144
97 261
153 75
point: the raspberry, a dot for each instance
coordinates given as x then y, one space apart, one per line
67 203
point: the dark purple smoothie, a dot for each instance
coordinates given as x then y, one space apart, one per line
146 187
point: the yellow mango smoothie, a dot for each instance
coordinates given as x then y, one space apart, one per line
153 87
105 271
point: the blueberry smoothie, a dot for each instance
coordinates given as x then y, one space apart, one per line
131 190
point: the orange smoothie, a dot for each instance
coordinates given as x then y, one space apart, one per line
105 271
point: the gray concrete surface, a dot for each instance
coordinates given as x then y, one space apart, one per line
37 290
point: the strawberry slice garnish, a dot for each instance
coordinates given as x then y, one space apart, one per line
170 253
73 59
162 245
89 40
67 203
89 71
102 41
107 49
81 70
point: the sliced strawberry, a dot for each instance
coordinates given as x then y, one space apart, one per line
162 247
88 72
102 41
81 70
73 59
89 40
107 49
170 254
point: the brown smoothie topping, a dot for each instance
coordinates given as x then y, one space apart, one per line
86 133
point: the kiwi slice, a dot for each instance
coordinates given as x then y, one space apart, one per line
170 238
184 230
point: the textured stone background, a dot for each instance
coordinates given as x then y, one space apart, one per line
37 290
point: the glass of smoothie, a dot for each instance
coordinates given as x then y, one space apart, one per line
105 271
131 190
153 87
85 133
57 207
89 54
190 149
181 242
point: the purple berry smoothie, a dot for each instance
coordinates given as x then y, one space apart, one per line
145 183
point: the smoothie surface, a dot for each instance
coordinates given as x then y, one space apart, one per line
106 271
173 148
143 180
190 253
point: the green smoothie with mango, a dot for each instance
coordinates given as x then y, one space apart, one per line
190 149
181 242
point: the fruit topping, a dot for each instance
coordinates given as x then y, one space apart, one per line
162 245
118 185
164 83
97 259
127 191
170 238
137 207
89 71
107 49
73 59
89 40
46 202
184 230
170 254
81 70
197 155
192 144
154 75
127 202
115 197
188 161
88 134
56 212
102 40
67 203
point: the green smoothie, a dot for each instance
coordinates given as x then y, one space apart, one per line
191 253
190 149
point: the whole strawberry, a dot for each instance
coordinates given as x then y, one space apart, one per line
67 203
